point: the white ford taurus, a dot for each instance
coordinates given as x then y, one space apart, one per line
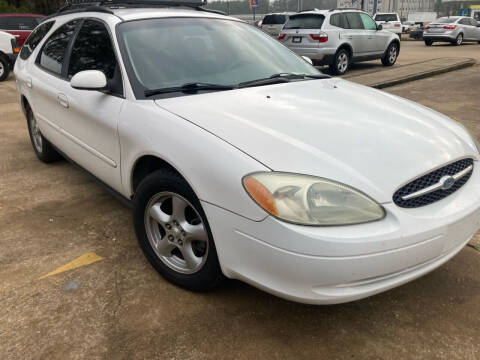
242 160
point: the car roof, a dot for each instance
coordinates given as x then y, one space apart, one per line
128 14
21 15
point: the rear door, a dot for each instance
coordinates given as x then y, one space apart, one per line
357 35
302 31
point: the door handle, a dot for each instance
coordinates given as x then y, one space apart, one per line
29 82
350 37
63 100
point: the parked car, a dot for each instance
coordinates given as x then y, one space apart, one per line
390 22
8 54
19 25
416 34
453 29
245 161
338 38
408 26
273 23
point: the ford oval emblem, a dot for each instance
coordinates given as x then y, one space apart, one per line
447 182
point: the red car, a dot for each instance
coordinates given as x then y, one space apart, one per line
19 25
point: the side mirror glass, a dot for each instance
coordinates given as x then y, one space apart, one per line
89 80
307 59
379 27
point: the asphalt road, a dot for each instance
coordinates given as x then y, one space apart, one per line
117 307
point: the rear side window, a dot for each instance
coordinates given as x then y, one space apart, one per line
274 20
19 23
339 20
53 53
307 21
34 39
354 21
368 23
386 17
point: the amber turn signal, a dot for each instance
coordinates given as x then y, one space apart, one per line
260 194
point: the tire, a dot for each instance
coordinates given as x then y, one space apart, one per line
165 232
4 69
391 55
341 62
42 147
428 42
459 40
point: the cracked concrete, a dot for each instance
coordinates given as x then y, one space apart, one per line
121 309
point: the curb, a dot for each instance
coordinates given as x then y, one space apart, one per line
423 75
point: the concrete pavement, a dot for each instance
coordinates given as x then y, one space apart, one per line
117 307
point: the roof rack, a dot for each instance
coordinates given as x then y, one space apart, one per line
106 6
339 9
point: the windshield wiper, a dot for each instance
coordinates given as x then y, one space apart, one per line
281 78
188 87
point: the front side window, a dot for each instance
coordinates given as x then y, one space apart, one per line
53 53
306 21
34 39
162 53
368 23
19 23
354 21
339 20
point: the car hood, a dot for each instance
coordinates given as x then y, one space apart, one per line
331 128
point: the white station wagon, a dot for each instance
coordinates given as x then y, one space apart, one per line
241 159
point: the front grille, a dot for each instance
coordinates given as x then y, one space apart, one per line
429 180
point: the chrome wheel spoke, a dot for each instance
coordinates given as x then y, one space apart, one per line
189 256
178 209
195 232
159 215
164 247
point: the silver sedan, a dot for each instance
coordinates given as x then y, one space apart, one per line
453 29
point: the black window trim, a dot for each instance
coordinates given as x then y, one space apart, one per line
46 36
68 53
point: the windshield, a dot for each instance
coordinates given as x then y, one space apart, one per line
386 17
306 21
274 20
163 53
446 20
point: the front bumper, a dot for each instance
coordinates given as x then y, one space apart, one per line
330 265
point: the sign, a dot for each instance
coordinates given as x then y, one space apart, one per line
253 4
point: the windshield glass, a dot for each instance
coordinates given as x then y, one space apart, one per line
446 20
306 21
274 20
164 53
386 17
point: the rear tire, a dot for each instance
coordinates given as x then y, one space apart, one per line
391 55
341 62
4 69
173 232
428 42
42 147
459 40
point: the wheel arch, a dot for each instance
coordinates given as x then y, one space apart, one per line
394 41
25 104
346 46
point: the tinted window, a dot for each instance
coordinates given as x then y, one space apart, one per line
339 20
93 50
19 23
34 39
476 16
473 22
274 20
386 17
53 52
307 21
368 23
464 22
446 20
354 21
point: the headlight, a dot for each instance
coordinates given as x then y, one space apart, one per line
308 200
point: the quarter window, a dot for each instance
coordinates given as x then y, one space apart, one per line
34 39
368 23
53 53
354 20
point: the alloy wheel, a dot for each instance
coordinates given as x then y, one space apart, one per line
176 232
36 134
392 54
2 69
459 39
342 62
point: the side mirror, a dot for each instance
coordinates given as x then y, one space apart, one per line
307 59
89 80
379 27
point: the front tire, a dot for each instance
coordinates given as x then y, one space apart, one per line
42 147
428 42
173 232
4 69
391 55
341 62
